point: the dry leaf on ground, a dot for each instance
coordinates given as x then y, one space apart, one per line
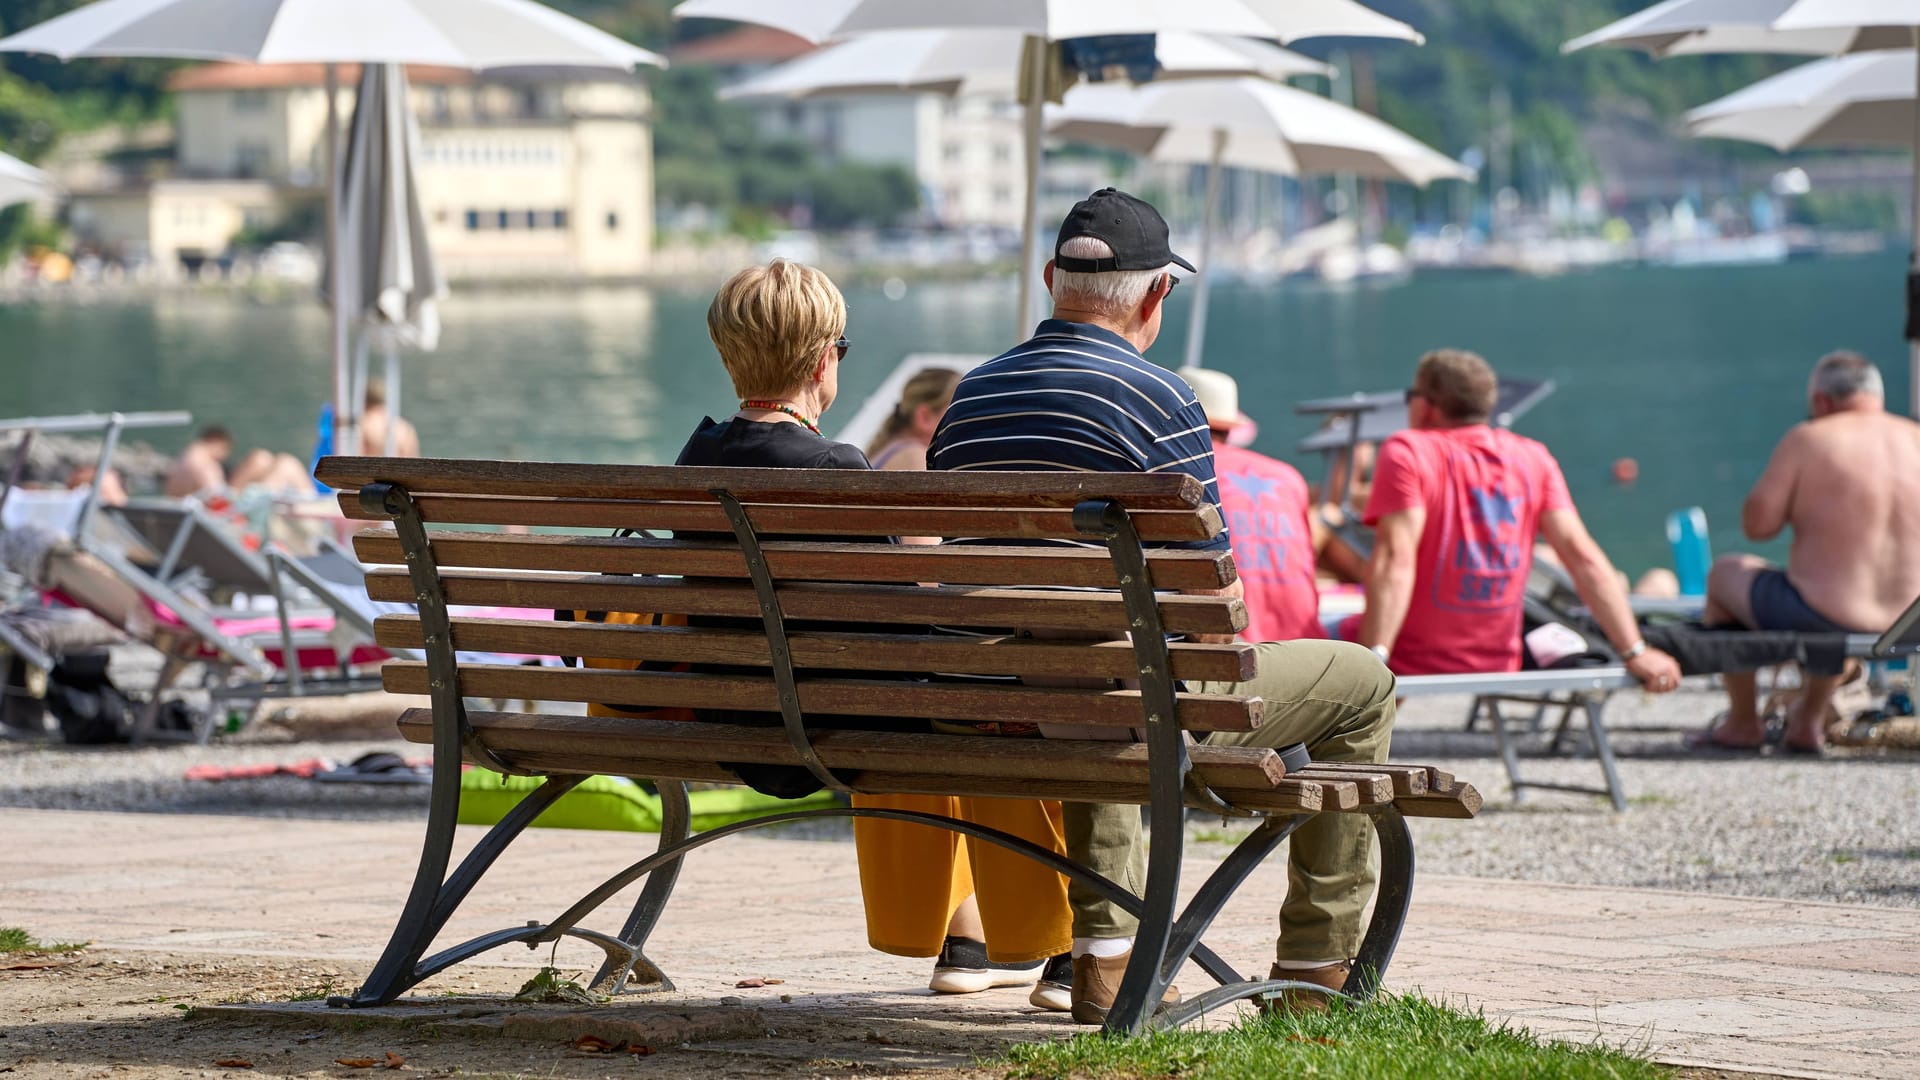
592 1044
394 1060
749 984
356 1063
234 1063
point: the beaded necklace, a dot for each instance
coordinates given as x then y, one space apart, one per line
783 407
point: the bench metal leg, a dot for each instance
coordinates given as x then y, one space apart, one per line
1390 906
434 898
676 819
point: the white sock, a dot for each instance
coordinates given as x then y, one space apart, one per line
1304 965
1102 947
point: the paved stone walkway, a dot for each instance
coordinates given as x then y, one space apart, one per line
1819 990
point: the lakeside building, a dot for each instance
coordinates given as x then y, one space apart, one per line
521 174
965 152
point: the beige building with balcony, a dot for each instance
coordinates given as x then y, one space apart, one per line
525 174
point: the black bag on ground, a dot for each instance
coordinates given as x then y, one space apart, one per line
94 712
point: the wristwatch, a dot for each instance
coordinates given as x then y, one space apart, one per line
1382 651
1635 650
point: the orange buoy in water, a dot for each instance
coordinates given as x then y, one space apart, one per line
1625 471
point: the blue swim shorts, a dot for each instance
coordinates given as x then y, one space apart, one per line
1777 605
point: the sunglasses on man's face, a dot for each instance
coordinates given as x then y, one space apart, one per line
1412 393
841 346
1171 282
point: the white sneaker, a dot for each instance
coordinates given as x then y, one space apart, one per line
963 968
1054 991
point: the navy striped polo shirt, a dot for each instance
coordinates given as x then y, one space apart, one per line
1078 398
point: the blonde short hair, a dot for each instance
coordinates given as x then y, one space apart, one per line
770 324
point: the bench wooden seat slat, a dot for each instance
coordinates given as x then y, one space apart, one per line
1407 779
1373 788
804 561
947 605
1138 491
825 521
827 697
592 738
1006 656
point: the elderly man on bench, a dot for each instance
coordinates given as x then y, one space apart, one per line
1079 396
1457 506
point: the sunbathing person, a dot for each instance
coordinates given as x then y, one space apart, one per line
902 441
202 465
1847 482
1349 482
780 330
374 422
1265 503
1456 508
1080 396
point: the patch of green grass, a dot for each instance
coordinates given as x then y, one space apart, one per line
1392 1037
1842 858
314 993
1652 800
15 940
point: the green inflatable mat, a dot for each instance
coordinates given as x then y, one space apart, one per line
615 802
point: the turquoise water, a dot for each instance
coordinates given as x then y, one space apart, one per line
1695 372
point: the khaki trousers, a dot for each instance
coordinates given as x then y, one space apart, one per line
1335 697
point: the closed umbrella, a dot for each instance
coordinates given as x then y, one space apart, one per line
391 281
1248 124
21 182
473 34
1041 22
1860 101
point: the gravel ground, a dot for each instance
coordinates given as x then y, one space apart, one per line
1844 828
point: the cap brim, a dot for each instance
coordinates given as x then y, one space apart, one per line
1184 264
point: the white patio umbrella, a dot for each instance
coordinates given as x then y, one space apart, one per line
1859 101
1698 27
1246 124
472 34
392 284
21 182
958 62
1045 21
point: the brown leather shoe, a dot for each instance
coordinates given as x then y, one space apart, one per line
1332 976
1096 981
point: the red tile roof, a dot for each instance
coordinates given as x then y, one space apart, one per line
746 45
282 76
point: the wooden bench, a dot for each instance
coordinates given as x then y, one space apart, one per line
867 608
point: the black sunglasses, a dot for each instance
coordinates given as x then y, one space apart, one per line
1412 393
1171 282
842 345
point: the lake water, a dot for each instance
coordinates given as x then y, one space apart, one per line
1695 373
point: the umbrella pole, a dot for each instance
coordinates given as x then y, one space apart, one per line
1197 320
345 439
1035 78
1913 256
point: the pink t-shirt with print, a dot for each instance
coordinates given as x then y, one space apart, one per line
1483 490
1265 503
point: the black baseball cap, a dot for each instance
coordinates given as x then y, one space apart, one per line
1133 228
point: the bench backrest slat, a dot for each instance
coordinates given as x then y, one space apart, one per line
825 521
804 561
825 697
819 487
960 606
911 653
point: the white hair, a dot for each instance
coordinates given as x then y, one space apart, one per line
1844 375
1113 293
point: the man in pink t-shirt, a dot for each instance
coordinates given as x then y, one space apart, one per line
1265 503
1456 508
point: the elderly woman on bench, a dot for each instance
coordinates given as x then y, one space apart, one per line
994 918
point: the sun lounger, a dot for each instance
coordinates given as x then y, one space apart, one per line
1581 692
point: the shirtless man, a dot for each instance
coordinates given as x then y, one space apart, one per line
373 426
202 465
1847 482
